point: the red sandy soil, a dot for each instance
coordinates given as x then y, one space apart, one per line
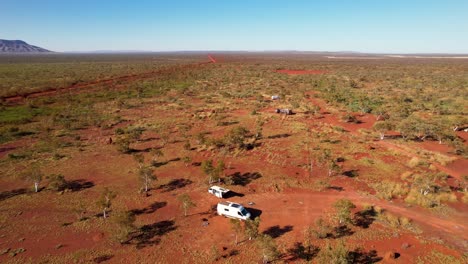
456 169
463 135
11 146
299 72
15 99
292 209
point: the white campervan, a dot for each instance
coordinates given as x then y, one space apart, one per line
233 210
218 191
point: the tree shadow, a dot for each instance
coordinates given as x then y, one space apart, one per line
159 164
232 253
102 258
336 188
78 185
149 234
351 173
277 231
150 209
231 194
175 184
284 135
299 251
362 257
9 194
244 179
364 218
227 123
342 231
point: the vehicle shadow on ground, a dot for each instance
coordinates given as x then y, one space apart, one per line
253 212
232 194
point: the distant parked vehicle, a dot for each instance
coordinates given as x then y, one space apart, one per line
218 191
233 210
284 111
275 97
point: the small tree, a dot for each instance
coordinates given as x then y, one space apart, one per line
211 171
308 246
140 159
333 168
187 202
236 137
186 160
323 229
337 254
34 175
269 249
236 227
80 209
123 144
215 255
125 222
382 127
207 168
57 182
146 177
105 200
220 168
251 227
156 154
343 211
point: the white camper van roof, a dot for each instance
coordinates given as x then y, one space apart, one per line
219 189
231 204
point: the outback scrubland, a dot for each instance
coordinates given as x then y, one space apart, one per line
108 158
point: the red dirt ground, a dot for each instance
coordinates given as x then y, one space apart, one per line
299 72
15 99
277 208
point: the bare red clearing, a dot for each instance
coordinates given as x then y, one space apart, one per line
298 72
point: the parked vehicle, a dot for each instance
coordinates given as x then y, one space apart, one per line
284 111
233 210
218 191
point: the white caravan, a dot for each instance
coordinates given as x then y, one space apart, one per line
218 191
233 210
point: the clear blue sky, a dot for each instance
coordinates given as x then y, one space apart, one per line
396 26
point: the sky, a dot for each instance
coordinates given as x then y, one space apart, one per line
374 26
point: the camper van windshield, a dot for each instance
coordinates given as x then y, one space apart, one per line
244 212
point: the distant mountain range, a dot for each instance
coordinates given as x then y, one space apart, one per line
19 46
